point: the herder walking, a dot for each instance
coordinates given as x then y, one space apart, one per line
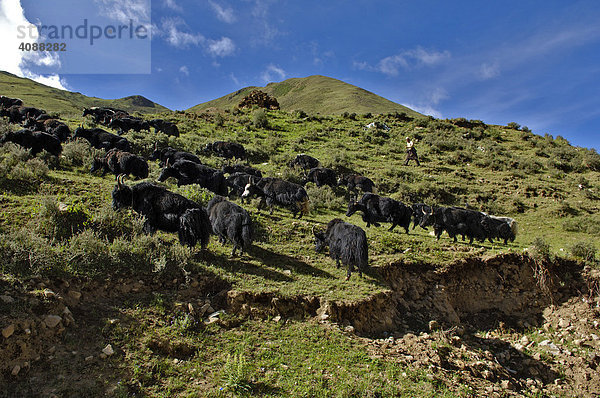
411 152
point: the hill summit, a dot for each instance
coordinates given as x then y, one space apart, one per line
66 102
314 94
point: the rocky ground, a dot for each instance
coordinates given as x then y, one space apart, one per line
55 328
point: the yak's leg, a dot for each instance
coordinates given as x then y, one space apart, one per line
392 227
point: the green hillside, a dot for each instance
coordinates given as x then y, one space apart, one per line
66 102
314 94
113 311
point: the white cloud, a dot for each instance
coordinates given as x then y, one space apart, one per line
410 59
407 59
489 71
234 79
173 5
184 70
171 31
20 62
265 31
425 110
224 14
273 73
125 10
221 48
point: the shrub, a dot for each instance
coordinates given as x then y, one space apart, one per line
17 164
259 119
324 197
513 125
591 160
59 221
77 153
539 249
219 120
585 251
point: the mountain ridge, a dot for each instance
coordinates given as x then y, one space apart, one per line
314 94
68 102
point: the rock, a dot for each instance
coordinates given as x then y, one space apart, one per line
108 350
15 370
89 358
277 318
52 320
434 325
507 385
49 293
7 299
519 347
74 294
259 98
204 309
594 336
8 331
563 323
524 340
287 272
349 329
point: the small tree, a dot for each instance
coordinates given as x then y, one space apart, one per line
513 125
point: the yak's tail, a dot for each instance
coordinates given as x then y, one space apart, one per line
194 226
246 231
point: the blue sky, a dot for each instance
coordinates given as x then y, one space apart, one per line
533 62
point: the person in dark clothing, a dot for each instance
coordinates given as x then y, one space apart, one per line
411 152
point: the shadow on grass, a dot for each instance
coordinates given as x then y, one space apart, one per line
238 265
278 260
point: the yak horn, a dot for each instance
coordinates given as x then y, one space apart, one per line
313 229
167 163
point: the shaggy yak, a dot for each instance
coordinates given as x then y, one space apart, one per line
347 243
230 222
164 210
121 162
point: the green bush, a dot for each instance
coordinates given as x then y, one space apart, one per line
17 164
259 119
513 125
324 197
539 250
585 251
77 153
59 221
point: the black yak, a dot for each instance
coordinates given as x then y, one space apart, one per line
126 123
164 210
7 102
101 139
378 209
354 181
276 191
304 161
51 126
35 141
172 155
237 183
121 162
347 243
163 126
241 168
321 176
230 222
227 150
187 172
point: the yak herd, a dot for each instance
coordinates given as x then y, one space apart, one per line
167 211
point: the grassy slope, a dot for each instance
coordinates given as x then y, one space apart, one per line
314 94
508 172
66 102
